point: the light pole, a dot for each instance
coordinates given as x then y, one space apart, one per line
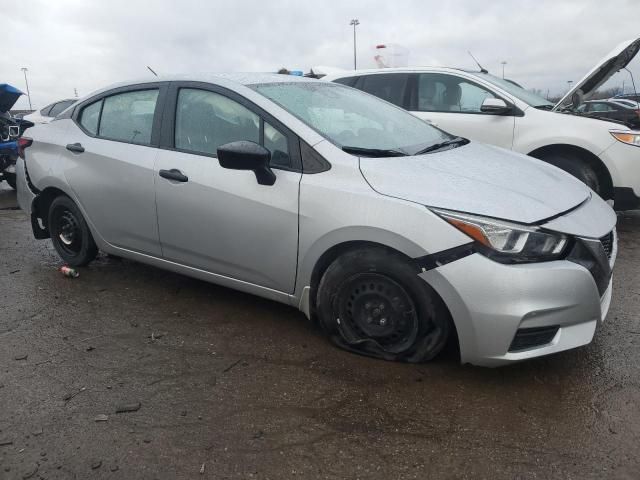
355 22
25 70
503 64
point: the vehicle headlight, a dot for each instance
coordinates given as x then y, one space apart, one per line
508 242
631 138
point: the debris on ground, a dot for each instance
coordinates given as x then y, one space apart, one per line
69 272
90 348
21 357
31 472
128 407
4 443
69 396
101 418
202 469
96 465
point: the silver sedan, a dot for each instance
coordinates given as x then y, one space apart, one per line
393 235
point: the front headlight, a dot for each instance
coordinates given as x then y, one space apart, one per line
508 242
624 136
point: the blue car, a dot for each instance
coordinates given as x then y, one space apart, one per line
11 130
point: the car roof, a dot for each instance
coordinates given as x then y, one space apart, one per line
355 73
222 79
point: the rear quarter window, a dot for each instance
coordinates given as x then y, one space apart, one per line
89 117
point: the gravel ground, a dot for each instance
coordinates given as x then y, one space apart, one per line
226 385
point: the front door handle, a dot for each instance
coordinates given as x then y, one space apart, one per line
75 147
174 174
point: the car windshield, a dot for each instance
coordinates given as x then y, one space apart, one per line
354 121
526 96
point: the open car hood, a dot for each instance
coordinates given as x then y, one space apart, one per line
479 179
616 60
8 97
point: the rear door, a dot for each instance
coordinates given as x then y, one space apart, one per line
220 220
453 103
110 153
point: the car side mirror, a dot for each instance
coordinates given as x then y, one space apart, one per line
496 106
244 155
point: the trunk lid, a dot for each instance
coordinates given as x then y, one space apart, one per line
8 97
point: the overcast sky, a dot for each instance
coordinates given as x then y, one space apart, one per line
82 44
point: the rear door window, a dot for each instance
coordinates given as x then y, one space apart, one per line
387 86
128 117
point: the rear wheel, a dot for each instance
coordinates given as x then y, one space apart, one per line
576 166
70 233
372 302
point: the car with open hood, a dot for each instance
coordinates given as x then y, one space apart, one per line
393 235
11 129
603 153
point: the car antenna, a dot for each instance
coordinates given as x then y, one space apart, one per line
482 69
151 70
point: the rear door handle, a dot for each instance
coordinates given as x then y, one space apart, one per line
174 174
75 147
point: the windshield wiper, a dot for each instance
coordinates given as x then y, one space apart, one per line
544 107
437 146
374 152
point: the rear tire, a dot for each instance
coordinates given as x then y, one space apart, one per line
11 179
70 233
372 301
579 168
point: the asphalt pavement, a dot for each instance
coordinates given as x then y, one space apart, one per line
218 384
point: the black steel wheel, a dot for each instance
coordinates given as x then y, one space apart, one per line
70 234
371 301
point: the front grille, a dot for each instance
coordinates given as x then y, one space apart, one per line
591 254
607 244
527 338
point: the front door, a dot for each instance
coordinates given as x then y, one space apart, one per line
220 220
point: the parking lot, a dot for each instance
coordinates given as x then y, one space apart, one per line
220 384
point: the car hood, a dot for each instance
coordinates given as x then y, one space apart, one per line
480 179
8 97
617 59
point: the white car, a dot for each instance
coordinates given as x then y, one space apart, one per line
477 105
51 111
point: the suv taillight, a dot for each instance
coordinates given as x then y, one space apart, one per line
23 143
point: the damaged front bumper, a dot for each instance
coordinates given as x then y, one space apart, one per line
509 313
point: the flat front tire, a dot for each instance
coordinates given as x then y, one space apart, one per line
372 301
70 233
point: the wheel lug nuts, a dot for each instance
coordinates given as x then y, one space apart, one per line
383 321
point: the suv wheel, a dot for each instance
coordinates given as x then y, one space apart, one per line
573 164
372 302
70 233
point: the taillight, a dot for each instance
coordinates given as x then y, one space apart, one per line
23 143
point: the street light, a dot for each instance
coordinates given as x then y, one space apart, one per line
503 64
25 70
355 22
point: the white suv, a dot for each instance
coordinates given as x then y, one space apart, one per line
477 105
